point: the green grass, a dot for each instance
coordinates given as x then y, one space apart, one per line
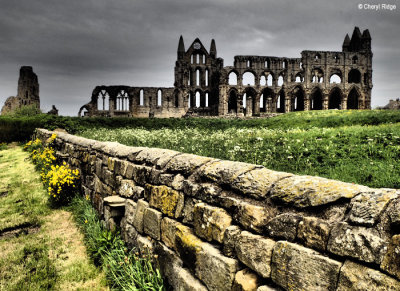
40 248
125 269
353 146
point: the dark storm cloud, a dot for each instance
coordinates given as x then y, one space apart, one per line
75 45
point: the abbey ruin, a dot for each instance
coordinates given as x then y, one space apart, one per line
253 86
27 93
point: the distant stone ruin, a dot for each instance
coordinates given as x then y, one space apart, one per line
27 94
393 104
253 86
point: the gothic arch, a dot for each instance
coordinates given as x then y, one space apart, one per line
316 99
233 101
335 98
353 98
298 97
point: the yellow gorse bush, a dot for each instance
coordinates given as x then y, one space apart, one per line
61 181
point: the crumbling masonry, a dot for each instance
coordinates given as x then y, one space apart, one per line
28 91
253 86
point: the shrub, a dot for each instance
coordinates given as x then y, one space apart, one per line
61 182
26 110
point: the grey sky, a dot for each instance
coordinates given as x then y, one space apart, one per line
75 45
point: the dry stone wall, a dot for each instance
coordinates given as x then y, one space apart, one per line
224 225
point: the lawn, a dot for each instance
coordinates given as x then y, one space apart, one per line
353 146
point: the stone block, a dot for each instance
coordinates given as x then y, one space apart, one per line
295 267
306 191
364 244
188 210
314 233
120 167
230 237
114 201
356 277
128 189
254 217
141 174
155 157
185 163
130 235
130 209
245 280
268 288
152 223
391 260
168 230
187 244
216 271
224 172
283 226
394 213
169 201
210 222
138 218
257 183
367 207
145 245
255 252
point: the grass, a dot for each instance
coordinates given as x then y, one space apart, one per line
40 248
124 269
355 146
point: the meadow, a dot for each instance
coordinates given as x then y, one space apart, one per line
353 146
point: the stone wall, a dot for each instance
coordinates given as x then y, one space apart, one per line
224 225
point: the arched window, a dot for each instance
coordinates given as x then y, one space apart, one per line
204 59
263 81
192 59
232 79
190 100
248 79
335 78
122 101
197 77
317 57
354 76
299 78
159 97
248 64
355 60
244 100
189 78
197 99
207 99
141 98
197 59
232 102
266 64
103 100
352 99
336 58
269 80
176 99
280 81
284 64
301 65
335 99
262 102
206 77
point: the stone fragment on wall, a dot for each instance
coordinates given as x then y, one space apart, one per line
245 280
391 260
185 163
314 233
152 223
356 277
138 219
283 226
210 222
255 252
295 267
169 201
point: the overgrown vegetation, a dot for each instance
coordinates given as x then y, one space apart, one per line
125 269
352 146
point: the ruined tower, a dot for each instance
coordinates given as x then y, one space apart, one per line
27 92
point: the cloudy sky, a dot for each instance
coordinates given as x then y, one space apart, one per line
74 45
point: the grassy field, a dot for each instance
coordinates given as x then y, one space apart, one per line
353 146
40 248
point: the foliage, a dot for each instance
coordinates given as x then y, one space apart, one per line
61 182
3 146
125 270
26 110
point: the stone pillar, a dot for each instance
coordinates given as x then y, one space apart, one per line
325 101
269 105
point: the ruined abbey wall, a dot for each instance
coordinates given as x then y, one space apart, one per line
253 86
224 225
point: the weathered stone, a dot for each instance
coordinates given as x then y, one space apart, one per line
258 182
152 223
129 170
367 207
267 288
188 210
111 212
126 188
356 277
254 217
169 201
364 244
306 191
255 252
144 244
224 172
130 190
168 230
245 280
185 163
114 201
297 268
155 156
120 167
141 174
187 244
172 180
98 204
109 178
111 163
215 270
210 222
230 237
138 219
391 260
130 209
314 233
207 192
283 226
394 213
130 235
